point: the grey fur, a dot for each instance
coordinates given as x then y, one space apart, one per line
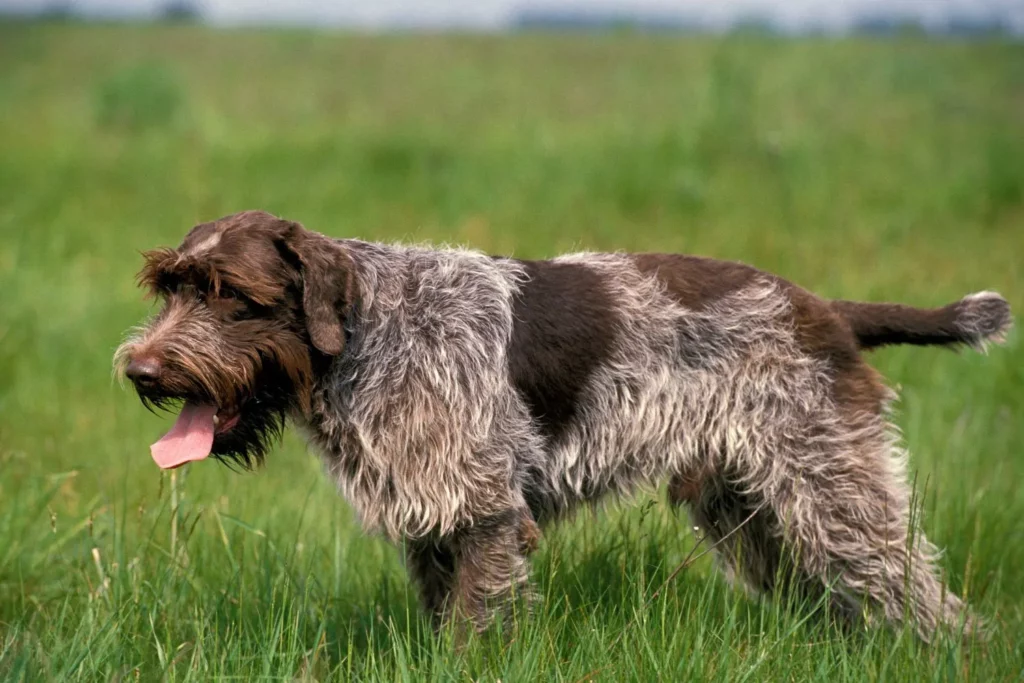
420 426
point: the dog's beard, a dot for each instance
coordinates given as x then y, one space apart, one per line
260 424
239 432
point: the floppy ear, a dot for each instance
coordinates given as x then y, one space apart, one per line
328 286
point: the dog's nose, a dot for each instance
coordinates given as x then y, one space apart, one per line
144 370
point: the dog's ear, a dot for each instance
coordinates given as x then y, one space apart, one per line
328 286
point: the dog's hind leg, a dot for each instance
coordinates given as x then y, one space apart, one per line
740 531
845 517
840 528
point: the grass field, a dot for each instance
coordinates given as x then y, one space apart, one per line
874 170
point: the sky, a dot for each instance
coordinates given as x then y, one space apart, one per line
494 14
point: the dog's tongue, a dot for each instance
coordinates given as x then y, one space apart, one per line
191 437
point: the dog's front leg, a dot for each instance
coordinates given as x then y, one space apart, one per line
491 568
431 567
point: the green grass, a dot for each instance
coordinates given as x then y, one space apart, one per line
875 170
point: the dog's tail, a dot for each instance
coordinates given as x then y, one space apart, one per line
974 321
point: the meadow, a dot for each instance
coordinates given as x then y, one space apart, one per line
878 170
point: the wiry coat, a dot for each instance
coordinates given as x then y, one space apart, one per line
418 419
462 397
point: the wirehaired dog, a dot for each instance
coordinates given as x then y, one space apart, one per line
460 399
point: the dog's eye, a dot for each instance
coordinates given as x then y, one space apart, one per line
230 293
230 302
225 298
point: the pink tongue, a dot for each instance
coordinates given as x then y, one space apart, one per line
191 437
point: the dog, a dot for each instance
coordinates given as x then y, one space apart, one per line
461 401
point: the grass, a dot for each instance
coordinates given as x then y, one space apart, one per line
874 170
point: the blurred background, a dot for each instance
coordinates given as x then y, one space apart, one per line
948 17
863 149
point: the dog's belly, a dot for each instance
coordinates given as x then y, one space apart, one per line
627 435
633 430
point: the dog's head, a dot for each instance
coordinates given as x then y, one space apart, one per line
252 304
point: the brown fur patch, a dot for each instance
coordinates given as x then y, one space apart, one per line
693 281
564 328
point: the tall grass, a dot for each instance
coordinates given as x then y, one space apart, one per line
875 170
